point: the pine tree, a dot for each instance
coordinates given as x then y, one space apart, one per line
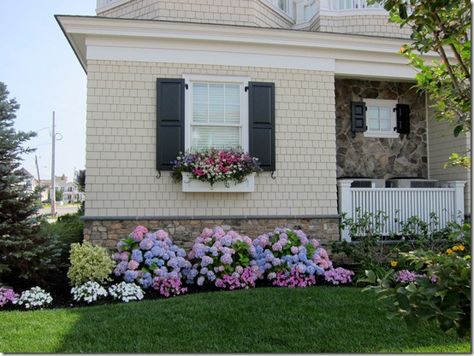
23 252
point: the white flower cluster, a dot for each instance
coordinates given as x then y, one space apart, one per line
88 292
126 292
34 298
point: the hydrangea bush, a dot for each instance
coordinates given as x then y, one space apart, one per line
213 165
151 260
338 276
7 295
223 259
288 258
89 292
126 292
33 298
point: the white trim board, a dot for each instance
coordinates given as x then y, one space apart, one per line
158 41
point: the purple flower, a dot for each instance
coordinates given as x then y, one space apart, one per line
338 276
406 276
226 259
146 244
133 265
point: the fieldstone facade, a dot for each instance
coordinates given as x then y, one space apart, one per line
360 156
184 231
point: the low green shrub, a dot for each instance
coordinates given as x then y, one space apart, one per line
371 250
89 263
433 286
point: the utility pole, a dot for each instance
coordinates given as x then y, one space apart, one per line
53 179
37 170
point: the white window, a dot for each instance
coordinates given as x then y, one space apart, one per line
216 112
283 5
380 118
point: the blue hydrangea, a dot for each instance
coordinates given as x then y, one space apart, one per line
302 256
130 276
211 276
157 251
148 255
137 255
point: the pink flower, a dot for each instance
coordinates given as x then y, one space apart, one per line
207 233
315 243
277 246
133 265
124 256
161 235
294 250
138 233
219 232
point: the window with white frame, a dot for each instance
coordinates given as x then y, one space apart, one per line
217 113
283 5
380 118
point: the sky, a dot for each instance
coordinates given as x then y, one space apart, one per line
42 73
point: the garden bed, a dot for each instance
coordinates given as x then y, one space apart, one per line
315 319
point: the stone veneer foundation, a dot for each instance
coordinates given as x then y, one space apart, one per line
107 232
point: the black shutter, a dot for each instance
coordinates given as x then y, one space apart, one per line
358 116
403 118
262 123
169 121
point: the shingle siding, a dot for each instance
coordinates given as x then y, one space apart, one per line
120 158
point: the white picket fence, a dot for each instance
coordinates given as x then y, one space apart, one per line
402 203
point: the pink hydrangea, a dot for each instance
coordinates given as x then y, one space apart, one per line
139 232
161 235
338 276
133 265
7 295
169 287
293 279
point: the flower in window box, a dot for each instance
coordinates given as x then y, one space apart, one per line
214 165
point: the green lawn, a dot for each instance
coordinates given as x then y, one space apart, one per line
317 319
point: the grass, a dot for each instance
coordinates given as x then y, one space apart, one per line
317 319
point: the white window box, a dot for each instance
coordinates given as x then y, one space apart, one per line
195 186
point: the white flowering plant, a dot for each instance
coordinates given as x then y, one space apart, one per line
88 292
33 298
126 292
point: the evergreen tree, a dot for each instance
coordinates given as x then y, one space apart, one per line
23 253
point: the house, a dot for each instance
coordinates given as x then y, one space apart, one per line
313 88
29 180
71 193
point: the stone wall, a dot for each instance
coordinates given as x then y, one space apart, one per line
184 231
360 156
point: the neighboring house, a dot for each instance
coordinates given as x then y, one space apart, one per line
30 180
71 193
314 89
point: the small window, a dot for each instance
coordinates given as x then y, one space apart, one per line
283 5
380 118
216 114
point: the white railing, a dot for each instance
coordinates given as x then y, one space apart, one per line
336 5
399 204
